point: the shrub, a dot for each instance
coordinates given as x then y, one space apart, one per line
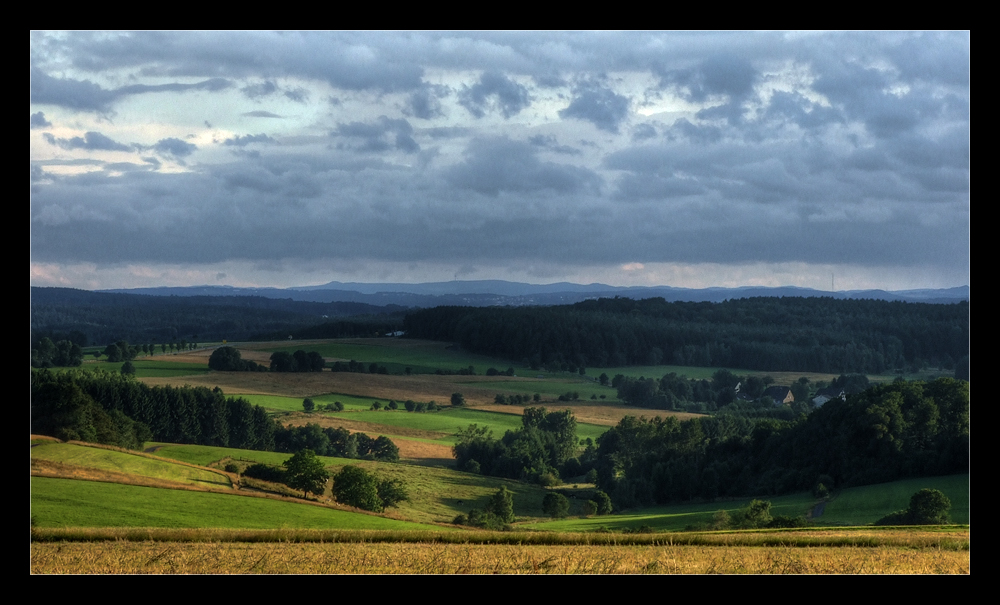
927 507
555 505
603 501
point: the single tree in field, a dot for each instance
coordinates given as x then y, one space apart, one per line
308 404
929 507
354 486
457 400
502 505
306 472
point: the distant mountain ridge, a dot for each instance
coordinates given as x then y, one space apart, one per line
484 293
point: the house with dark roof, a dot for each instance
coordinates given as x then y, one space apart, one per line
780 395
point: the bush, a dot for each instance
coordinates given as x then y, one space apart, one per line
308 404
927 507
265 473
555 505
603 502
756 514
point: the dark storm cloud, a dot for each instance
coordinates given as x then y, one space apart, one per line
381 135
93 141
494 93
600 106
244 140
500 164
37 120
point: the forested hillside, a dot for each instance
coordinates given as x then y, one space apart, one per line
888 432
770 334
101 317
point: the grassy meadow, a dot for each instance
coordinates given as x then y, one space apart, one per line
186 516
71 503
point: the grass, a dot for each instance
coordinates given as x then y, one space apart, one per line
69 503
421 356
673 518
867 504
205 455
146 367
132 464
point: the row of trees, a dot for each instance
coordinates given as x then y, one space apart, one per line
115 409
299 361
73 405
352 486
337 442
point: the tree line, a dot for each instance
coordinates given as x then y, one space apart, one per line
115 409
772 334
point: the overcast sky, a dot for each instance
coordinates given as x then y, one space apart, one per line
682 159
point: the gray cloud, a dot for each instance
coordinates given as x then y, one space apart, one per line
494 93
244 140
37 120
382 135
500 164
93 141
600 106
174 147
424 103
261 114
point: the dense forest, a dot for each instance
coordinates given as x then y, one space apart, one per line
884 433
84 317
888 432
770 334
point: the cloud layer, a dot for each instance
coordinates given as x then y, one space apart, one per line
497 154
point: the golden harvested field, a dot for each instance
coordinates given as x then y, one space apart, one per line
124 557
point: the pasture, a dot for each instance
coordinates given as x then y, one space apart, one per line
70 503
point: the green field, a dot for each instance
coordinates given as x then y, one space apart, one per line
121 462
678 517
69 503
421 356
867 504
204 455
146 367
854 506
